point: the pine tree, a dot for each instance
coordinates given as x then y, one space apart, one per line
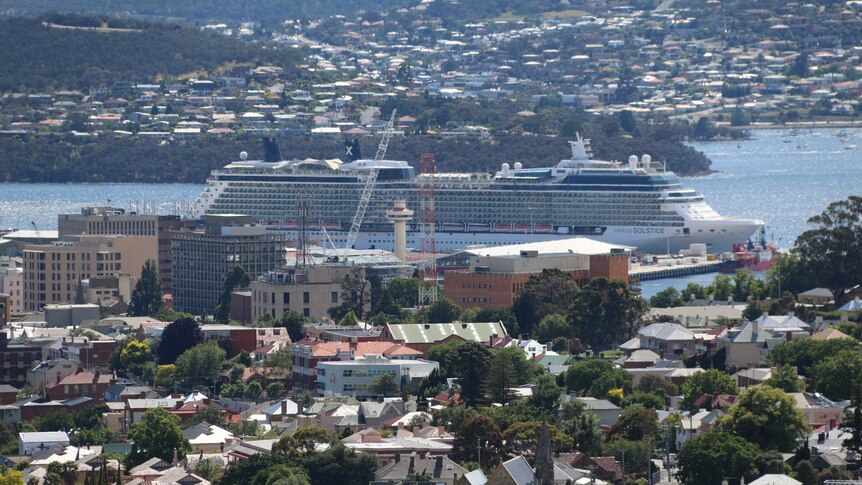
236 277
501 379
852 422
147 295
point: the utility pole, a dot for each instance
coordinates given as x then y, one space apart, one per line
778 250
479 451
623 465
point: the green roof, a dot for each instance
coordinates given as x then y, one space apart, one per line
418 333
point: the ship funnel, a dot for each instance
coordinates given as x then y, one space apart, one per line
518 166
646 160
633 162
504 167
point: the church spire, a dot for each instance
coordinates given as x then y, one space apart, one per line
544 457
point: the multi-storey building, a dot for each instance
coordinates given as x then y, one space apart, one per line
52 271
17 356
12 282
356 377
202 258
308 290
112 220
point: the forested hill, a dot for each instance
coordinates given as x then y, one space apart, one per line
39 55
129 160
197 11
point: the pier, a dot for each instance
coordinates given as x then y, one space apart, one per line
672 268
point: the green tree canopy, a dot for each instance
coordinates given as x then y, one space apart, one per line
804 353
293 321
483 431
339 464
636 423
581 376
200 364
836 376
831 253
552 326
786 379
667 298
157 434
146 300
710 381
767 417
605 312
501 378
178 337
469 363
552 291
236 277
443 310
582 426
404 291
715 455
384 385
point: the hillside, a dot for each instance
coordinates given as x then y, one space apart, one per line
38 56
129 160
196 11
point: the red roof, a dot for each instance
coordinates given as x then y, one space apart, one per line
84 377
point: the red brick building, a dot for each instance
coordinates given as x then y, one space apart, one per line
81 383
496 275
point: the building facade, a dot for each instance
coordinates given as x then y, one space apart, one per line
310 290
52 271
356 377
12 282
201 259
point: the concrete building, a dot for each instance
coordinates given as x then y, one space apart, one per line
71 315
12 282
113 220
28 443
497 274
310 290
52 271
202 258
17 356
355 377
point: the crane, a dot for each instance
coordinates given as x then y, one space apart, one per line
368 188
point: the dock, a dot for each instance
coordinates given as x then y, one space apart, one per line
672 268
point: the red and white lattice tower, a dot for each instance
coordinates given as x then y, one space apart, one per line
428 246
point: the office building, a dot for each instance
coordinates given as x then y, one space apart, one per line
12 282
201 259
355 377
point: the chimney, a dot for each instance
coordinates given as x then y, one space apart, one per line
96 375
441 430
175 457
284 407
400 425
412 463
788 336
397 457
416 431
221 447
754 327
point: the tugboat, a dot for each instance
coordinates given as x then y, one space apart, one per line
753 256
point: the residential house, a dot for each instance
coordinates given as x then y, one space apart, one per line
81 383
28 443
748 345
440 469
385 449
205 437
669 340
606 412
818 410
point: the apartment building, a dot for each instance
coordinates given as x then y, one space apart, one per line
52 271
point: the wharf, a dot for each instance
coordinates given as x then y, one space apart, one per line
672 268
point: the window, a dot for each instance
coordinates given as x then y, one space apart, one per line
306 297
333 297
306 312
285 298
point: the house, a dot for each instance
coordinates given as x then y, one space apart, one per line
50 371
370 441
205 437
696 424
606 412
775 479
282 410
355 377
749 345
532 348
440 469
815 296
81 383
603 467
746 378
669 340
8 394
121 392
818 410
28 443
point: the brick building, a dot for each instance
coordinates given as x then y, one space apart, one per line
81 383
496 275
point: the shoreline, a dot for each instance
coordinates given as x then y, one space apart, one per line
800 124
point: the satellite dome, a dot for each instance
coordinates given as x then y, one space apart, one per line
243 156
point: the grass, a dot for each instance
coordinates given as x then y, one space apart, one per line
562 14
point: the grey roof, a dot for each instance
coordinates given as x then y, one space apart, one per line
440 467
4 388
852 305
43 436
632 344
476 477
597 404
520 470
666 331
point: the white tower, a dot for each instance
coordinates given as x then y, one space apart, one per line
400 215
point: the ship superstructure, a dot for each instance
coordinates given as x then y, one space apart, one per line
635 203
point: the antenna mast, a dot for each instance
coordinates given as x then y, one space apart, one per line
303 259
427 260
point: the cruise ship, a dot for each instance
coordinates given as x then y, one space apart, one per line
634 203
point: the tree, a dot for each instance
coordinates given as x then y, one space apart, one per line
753 311
479 431
453 417
805 353
710 381
852 422
210 414
236 277
384 385
767 417
293 321
11 477
666 298
275 390
404 291
157 434
207 469
657 385
805 472
552 291
615 380
551 327
546 394
200 364
383 303
469 363
350 319
721 287
61 473
835 376
443 310
522 438
501 378
831 253
711 457
304 442
146 299
355 295
582 426
636 423
605 312
178 337
786 379
341 465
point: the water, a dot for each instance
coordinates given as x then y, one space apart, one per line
21 204
777 177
